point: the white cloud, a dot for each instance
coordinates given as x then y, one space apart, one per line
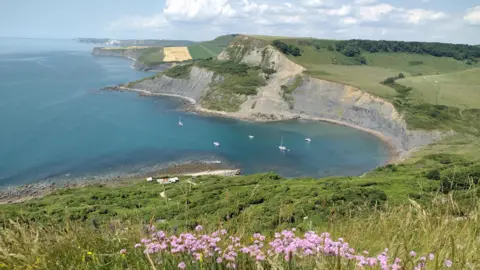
139 22
473 15
316 3
364 2
349 20
374 13
416 16
196 10
343 11
318 18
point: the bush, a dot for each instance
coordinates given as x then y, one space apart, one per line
287 49
433 174
462 179
178 72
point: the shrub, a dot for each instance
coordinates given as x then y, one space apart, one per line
433 174
287 49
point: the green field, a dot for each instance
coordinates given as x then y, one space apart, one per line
152 56
459 89
206 49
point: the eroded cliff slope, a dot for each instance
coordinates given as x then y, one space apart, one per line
289 94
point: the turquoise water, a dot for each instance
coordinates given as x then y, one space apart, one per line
55 123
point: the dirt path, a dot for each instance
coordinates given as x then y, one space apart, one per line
208 50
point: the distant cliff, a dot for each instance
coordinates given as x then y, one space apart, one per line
132 54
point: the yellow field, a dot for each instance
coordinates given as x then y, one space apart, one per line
176 54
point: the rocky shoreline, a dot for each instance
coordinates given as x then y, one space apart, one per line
15 194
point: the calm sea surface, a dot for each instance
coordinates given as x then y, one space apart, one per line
55 123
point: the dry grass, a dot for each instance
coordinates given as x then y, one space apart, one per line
436 229
176 54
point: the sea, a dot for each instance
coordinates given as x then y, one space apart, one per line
57 124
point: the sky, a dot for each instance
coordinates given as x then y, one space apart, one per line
413 20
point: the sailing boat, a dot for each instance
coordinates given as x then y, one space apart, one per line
250 136
180 123
281 147
308 139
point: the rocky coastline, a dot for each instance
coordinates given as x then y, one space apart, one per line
15 194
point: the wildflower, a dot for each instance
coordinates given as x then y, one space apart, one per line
123 251
182 265
423 258
198 228
219 260
448 263
137 245
431 256
413 253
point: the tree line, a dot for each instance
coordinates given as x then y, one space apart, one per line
354 47
287 49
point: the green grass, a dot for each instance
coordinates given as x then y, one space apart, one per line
152 56
206 49
459 89
404 62
239 81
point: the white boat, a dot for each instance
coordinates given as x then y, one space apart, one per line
281 147
180 123
217 144
250 136
308 140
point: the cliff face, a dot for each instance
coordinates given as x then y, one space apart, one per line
311 98
322 99
193 87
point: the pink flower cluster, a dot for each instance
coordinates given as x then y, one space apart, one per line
220 248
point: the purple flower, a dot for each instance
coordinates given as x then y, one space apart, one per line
412 253
123 251
182 265
219 260
448 263
198 228
423 259
137 245
431 256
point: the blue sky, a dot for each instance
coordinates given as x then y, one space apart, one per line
425 20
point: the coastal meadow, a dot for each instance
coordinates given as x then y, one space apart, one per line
401 237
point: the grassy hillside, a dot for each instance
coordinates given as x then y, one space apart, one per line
152 56
417 206
460 89
206 49
326 63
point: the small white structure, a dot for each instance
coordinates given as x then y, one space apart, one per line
250 136
149 179
217 144
308 140
167 180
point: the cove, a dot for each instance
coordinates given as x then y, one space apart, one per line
56 124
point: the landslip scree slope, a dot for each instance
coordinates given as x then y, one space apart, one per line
310 98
